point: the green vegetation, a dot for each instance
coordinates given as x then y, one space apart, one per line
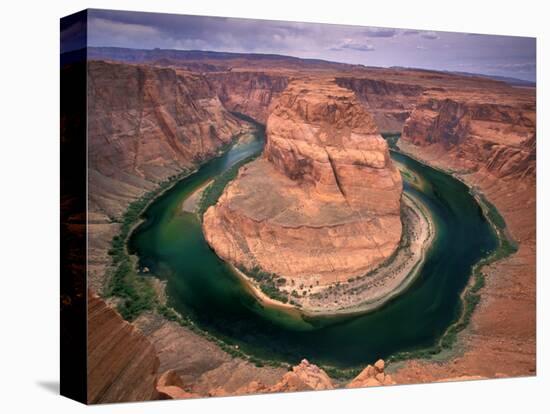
268 282
136 292
491 211
213 192
341 374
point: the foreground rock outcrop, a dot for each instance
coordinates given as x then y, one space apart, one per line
304 377
170 387
323 203
372 376
309 377
122 363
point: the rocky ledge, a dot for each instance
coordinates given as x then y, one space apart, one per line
322 205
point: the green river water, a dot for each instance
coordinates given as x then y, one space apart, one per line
171 244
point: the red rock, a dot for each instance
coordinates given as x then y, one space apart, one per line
170 378
379 365
172 392
303 377
122 363
323 203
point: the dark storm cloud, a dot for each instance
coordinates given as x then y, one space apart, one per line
374 46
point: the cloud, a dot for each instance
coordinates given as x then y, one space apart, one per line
350 44
379 32
429 35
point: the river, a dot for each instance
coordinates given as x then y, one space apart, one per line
171 244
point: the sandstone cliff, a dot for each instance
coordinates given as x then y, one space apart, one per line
486 136
122 363
490 130
323 203
389 102
250 93
147 124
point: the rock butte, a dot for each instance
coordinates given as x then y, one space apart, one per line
322 203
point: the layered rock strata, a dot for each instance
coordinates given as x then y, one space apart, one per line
492 131
122 363
487 139
323 202
146 124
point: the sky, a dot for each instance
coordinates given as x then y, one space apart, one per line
486 54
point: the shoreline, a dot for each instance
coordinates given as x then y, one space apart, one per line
370 304
191 203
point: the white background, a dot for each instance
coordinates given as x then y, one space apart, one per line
29 174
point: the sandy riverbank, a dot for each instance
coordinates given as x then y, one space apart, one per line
191 203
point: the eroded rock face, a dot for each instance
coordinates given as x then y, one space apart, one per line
323 203
372 376
145 125
320 136
489 130
170 387
148 123
250 93
303 377
122 363
309 377
487 137
390 102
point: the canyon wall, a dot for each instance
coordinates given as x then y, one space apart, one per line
122 363
487 138
147 124
390 103
250 93
488 130
323 202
